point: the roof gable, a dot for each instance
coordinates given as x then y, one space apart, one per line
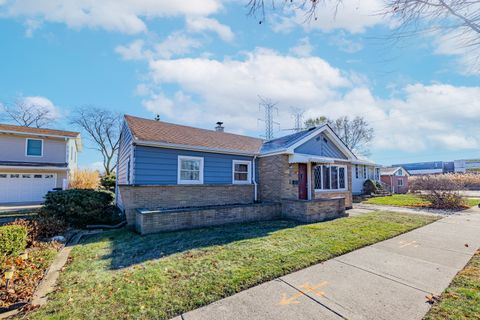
288 144
166 134
390 171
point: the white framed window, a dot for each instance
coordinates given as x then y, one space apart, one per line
330 177
400 182
33 147
241 172
400 172
190 170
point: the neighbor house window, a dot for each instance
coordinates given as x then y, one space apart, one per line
365 172
400 182
34 147
377 173
241 171
190 170
356 171
330 177
399 172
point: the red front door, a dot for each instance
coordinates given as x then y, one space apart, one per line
302 181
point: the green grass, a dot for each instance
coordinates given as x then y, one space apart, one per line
461 300
409 200
119 274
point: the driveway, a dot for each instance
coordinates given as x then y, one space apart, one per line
387 280
359 208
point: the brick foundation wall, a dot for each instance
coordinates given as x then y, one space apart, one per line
178 196
314 210
328 195
151 222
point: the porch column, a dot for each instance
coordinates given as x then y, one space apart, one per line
309 180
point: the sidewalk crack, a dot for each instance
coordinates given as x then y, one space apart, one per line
313 299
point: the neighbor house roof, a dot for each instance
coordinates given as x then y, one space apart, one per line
388 171
40 131
168 134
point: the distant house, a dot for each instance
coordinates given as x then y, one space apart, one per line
396 178
363 170
164 166
34 161
431 167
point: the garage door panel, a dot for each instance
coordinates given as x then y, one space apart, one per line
25 187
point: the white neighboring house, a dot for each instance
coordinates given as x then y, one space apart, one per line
34 161
362 170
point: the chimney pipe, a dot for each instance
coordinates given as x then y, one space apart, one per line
219 127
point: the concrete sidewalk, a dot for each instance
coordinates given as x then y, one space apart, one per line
387 280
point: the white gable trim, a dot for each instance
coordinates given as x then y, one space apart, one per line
331 135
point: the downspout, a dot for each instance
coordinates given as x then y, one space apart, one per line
255 197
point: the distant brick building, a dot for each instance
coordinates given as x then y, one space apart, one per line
396 178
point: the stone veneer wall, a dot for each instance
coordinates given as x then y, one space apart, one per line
275 178
179 196
314 210
170 220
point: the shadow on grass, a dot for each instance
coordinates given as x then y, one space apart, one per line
129 248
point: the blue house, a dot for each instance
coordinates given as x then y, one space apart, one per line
172 177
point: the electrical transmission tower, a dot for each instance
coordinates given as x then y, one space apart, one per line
297 114
270 108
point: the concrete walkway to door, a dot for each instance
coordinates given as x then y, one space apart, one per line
388 280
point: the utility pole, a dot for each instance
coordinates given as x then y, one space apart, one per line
269 108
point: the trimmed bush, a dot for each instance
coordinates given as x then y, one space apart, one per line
369 186
79 207
13 240
108 182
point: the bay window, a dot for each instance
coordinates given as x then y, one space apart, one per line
330 177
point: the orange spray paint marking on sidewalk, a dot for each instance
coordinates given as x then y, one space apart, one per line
307 288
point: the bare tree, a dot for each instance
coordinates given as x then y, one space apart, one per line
356 133
103 129
458 17
27 114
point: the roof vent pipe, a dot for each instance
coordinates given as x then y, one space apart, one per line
219 127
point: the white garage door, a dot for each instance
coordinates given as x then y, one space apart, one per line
25 187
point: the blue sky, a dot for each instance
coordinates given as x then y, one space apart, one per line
198 62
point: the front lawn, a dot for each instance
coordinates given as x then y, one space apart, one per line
119 274
461 300
409 200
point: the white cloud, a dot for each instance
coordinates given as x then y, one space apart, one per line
176 43
303 49
342 42
420 117
208 24
42 103
353 16
132 51
462 44
127 16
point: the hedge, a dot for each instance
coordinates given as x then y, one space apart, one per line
13 240
80 207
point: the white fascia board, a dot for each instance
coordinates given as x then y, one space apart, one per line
189 148
37 134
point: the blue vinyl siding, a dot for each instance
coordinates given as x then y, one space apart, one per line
124 154
318 146
158 166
